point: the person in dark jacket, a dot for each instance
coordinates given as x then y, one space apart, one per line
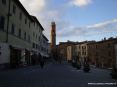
42 62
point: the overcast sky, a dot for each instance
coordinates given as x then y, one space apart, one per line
76 20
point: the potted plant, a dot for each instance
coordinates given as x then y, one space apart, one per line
86 67
114 73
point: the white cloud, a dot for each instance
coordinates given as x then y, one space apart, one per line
46 13
33 6
104 28
53 13
81 3
100 25
41 10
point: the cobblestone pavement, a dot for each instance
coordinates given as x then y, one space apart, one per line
55 75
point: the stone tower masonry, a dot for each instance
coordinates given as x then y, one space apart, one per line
53 40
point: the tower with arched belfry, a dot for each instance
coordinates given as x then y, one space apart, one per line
53 39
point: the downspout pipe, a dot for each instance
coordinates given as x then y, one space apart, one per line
8 17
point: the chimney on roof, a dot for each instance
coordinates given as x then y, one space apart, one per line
104 38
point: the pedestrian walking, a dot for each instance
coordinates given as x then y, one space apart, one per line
42 62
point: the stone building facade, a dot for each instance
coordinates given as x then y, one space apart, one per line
102 53
82 51
44 46
62 50
65 48
71 52
21 31
115 61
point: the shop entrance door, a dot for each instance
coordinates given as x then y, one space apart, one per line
15 57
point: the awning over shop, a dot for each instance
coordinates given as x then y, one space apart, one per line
16 47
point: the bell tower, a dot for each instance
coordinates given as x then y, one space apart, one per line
53 35
53 40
